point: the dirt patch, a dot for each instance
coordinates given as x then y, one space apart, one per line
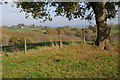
50 60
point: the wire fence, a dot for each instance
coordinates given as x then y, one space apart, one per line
54 40
18 47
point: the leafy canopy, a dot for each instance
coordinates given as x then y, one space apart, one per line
70 10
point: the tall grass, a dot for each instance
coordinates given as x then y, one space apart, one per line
72 61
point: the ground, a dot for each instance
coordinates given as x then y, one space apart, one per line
73 61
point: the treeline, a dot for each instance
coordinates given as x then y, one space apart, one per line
22 26
50 34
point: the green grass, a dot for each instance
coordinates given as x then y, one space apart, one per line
24 29
73 61
114 31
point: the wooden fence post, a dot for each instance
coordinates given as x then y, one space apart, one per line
60 40
84 39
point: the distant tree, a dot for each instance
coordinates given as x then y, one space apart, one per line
51 31
14 40
20 25
33 26
92 28
60 30
29 33
5 26
112 26
5 39
14 26
46 27
67 30
5 36
79 33
74 30
41 31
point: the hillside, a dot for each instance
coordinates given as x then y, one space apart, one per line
73 61
25 29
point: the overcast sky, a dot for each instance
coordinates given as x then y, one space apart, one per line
11 16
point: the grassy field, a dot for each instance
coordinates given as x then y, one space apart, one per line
73 61
25 29
114 31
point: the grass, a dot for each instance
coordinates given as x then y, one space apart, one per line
73 61
114 31
24 29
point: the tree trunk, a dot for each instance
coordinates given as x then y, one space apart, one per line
103 30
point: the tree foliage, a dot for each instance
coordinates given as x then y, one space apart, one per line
70 10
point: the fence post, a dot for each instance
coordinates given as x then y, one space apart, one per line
60 40
25 46
84 39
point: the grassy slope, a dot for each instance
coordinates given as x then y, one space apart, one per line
24 29
31 29
114 31
74 61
